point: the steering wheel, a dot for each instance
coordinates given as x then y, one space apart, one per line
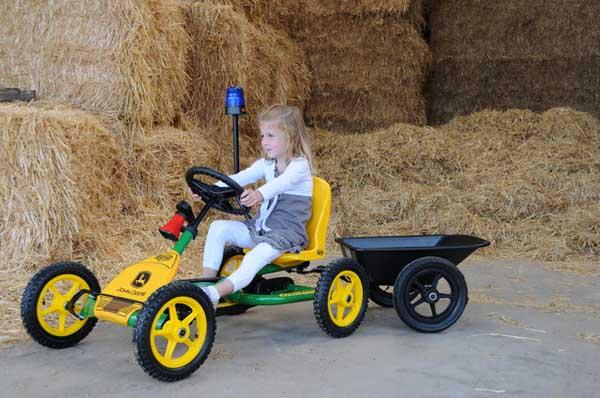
218 197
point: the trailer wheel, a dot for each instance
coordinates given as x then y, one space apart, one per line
382 295
341 298
430 294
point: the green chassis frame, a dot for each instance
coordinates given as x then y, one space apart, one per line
291 294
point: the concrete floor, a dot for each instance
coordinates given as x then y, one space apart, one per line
527 332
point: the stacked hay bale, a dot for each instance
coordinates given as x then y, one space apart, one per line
513 54
367 59
125 58
528 182
368 71
51 183
228 49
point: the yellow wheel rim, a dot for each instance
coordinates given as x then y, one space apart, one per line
345 298
178 341
50 309
229 268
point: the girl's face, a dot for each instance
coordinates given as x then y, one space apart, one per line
273 140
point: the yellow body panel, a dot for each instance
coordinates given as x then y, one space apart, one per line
316 228
138 281
134 285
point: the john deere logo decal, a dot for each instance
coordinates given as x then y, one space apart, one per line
141 279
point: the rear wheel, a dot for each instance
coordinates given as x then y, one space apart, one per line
43 306
341 298
175 331
430 294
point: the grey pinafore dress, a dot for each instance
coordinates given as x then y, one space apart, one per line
287 222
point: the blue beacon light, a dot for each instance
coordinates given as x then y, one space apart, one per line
234 101
235 106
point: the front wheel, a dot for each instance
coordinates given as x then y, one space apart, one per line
430 294
341 297
43 306
175 331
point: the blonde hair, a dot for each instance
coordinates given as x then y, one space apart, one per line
289 120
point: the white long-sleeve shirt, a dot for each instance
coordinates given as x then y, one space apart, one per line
295 180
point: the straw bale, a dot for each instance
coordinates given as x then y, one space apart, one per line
367 56
280 14
409 10
51 184
459 86
288 15
229 50
529 182
126 58
503 61
333 34
358 7
367 72
514 28
163 155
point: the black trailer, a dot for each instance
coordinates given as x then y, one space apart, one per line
417 275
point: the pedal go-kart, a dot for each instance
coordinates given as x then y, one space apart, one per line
174 321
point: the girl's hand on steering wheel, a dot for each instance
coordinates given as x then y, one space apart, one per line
250 197
195 197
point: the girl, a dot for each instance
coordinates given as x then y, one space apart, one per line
286 203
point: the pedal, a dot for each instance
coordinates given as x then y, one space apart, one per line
317 270
268 286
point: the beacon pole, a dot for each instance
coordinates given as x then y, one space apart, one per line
235 106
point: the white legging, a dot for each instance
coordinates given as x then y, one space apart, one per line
222 232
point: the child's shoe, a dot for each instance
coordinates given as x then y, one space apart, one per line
212 294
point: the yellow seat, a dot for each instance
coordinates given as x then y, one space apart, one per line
316 228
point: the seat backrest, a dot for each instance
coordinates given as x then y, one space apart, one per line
316 228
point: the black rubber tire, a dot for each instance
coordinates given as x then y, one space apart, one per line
380 296
320 304
141 333
407 285
235 309
32 293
